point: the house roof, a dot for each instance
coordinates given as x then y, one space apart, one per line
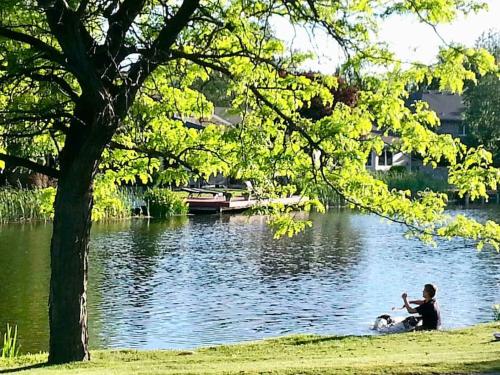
448 107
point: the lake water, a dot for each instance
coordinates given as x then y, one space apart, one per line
207 280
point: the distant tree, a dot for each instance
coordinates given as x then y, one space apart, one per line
342 92
482 101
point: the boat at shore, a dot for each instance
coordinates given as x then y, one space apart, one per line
218 204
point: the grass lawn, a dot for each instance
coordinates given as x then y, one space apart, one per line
470 350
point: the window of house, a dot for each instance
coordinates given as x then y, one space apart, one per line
385 158
388 157
370 158
463 130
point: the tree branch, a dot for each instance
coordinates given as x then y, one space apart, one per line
289 121
35 167
77 44
61 82
154 153
154 56
119 23
82 8
47 51
32 116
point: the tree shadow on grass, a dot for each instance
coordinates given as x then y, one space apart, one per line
321 339
24 368
486 367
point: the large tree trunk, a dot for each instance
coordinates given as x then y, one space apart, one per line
69 264
70 239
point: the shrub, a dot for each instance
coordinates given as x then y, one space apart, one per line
164 203
47 197
109 201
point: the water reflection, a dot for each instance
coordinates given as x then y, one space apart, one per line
212 279
24 280
333 247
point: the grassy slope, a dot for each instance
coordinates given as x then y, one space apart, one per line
458 351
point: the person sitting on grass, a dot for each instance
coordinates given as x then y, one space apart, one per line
428 308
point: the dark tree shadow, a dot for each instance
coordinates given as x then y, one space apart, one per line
24 368
321 339
485 367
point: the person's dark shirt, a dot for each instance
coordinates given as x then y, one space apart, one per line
431 316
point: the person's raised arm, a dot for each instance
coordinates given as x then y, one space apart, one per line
416 302
410 309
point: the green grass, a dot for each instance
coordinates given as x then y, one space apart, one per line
470 350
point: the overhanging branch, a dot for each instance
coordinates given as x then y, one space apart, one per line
35 167
47 51
155 154
222 69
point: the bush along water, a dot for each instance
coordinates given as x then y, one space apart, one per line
163 203
110 202
10 346
328 197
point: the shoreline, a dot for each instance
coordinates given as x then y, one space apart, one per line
457 351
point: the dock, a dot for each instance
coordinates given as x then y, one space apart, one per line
237 204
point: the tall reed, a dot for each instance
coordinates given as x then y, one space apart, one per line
10 347
110 202
25 204
413 181
329 197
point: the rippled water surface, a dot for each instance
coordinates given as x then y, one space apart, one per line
206 280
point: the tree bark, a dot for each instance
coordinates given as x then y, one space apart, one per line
69 265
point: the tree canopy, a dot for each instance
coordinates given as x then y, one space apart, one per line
104 85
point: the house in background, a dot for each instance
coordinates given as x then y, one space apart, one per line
448 107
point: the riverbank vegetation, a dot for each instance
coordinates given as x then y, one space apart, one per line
110 202
470 350
163 203
413 181
26 204
496 312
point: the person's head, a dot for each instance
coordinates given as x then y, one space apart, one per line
429 291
